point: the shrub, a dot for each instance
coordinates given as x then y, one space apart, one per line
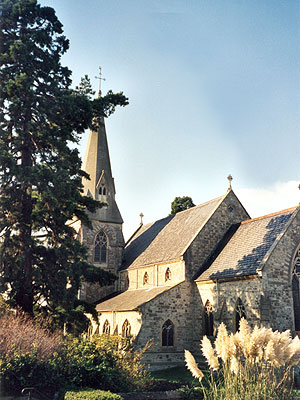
250 365
90 394
105 362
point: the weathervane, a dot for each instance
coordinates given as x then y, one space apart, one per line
229 177
100 79
141 215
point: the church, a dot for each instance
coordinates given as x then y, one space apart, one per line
181 276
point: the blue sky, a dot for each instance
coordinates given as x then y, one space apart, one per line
213 87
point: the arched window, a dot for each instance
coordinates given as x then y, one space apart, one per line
90 330
126 328
167 274
239 313
296 290
102 190
167 334
208 320
100 249
106 328
145 278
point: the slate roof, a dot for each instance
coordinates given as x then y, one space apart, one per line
248 248
131 299
167 239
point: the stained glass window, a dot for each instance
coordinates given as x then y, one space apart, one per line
168 334
100 249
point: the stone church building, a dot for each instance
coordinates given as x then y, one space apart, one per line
181 276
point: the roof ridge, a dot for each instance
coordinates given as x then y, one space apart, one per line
269 215
200 205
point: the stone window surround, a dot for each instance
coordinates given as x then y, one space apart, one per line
107 247
173 346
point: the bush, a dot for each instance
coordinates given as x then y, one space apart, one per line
90 394
32 356
248 365
105 362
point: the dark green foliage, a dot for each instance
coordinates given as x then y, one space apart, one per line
32 356
90 394
180 204
40 177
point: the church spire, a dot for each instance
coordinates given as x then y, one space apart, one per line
101 184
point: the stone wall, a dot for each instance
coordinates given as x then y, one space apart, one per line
229 212
277 276
176 305
156 275
93 292
223 297
117 319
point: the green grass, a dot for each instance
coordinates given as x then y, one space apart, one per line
176 375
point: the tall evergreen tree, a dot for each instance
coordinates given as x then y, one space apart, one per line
40 176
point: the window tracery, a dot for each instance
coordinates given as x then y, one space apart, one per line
100 249
126 328
240 313
296 289
167 334
208 328
106 327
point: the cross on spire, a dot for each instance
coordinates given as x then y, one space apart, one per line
100 79
141 215
229 177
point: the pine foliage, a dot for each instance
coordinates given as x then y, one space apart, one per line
40 174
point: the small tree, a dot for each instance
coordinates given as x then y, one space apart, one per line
180 204
40 177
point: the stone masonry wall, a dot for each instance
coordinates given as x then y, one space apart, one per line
114 234
223 297
175 304
228 213
156 275
277 276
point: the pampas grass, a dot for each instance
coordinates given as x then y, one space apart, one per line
252 364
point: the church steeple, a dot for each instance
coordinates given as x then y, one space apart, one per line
101 184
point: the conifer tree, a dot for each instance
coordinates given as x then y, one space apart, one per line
40 176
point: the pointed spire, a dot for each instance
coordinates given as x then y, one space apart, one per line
101 184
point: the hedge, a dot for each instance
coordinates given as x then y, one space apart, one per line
90 394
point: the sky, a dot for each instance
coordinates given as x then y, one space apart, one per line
213 88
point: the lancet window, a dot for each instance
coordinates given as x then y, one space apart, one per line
100 249
102 190
167 334
296 289
208 320
145 278
167 274
106 328
239 314
126 328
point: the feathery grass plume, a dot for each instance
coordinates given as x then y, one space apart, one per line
209 353
294 352
192 365
222 343
234 365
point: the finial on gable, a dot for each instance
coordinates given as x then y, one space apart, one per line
229 177
100 79
141 215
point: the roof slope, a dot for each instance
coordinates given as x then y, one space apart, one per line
131 299
246 250
167 239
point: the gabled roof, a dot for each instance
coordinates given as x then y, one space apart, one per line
249 247
167 239
131 299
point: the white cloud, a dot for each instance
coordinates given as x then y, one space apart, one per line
260 201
